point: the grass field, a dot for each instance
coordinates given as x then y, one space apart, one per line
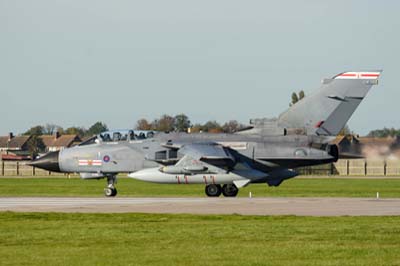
297 187
157 239
141 239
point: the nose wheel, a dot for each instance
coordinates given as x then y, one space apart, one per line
110 190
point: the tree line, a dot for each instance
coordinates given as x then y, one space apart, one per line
165 123
384 133
182 123
50 129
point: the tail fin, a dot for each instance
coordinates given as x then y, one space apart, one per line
327 111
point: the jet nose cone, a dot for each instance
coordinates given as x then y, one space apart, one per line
47 162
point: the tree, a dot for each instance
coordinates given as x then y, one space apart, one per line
50 129
165 123
297 97
143 124
35 146
212 127
301 95
81 132
182 123
36 131
96 129
231 126
155 124
345 131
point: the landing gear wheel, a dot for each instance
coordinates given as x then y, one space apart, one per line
110 192
230 190
213 190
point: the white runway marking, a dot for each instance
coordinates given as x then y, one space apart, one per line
244 206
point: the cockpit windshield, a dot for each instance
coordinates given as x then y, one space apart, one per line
119 135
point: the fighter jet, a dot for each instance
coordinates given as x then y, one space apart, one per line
268 151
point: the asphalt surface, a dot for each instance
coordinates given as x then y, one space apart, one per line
244 206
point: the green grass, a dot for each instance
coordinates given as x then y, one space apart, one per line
143 239
297 187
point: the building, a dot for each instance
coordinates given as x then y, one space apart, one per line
14 147
59 142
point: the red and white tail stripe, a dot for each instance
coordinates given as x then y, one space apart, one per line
90 162
358 75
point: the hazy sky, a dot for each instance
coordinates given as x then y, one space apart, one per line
73 63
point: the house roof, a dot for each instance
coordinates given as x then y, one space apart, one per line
61 141
18 142
15 143
86 138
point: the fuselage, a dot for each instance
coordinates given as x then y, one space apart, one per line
262 153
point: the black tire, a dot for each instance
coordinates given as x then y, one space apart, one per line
110 192
213 190
230 190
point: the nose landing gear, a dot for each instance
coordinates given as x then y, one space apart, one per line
110 190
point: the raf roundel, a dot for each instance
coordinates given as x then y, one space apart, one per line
106 159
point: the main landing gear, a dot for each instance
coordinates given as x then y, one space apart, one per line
228 190
110 190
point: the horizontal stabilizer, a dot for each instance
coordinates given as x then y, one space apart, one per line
349 155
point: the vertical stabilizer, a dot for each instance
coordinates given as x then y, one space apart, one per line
327 111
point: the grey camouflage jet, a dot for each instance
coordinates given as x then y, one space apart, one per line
267 151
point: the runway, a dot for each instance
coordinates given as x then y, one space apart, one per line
243 206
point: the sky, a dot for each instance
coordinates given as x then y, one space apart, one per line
73 63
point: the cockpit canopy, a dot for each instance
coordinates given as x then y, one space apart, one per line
119 135
125 135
